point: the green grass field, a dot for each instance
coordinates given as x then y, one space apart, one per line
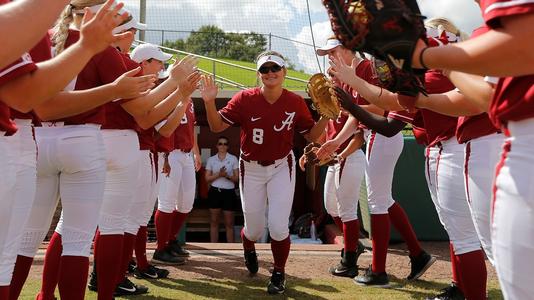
254 288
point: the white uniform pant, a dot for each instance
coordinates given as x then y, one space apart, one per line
382 154
122 159
513 213
481 157
453 208
70 166
177 192
11 191
267 188
342 187
144 198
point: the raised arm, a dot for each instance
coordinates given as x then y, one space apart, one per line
317 130
53 75
209 92
173 120
22 34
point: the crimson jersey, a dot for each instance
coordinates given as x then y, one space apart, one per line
41 52
267 129
513 99
164 144
416 119
102 69
116 116
21 66
184 135
333 127
146 139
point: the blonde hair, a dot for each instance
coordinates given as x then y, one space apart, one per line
61 30
447 25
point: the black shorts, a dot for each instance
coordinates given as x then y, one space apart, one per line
222 198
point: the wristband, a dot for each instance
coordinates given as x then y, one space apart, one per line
421 61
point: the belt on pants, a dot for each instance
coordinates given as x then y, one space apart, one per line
263 163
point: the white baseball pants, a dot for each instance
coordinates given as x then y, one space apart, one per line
177 192
342 187
143 195
267 189
7 201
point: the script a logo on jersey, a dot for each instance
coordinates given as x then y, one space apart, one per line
288 121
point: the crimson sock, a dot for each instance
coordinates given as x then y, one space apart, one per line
140 248
51 268
474 274
109 248
248 245
400 221
280 251
338 222
20 274
351 232
178 220
73 277
4 292
126 256
455 268
163 222
380 229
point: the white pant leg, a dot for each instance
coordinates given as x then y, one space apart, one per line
481 157
280 192
186 196
80 156
382 155
432 155
513 214
24 160
143 191
330 200
151 201
7 189
453 208
122 155
350 181
161 184
253 189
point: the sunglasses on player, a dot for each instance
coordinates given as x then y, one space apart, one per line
222 144
272 68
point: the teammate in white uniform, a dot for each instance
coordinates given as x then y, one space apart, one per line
222 172
268 117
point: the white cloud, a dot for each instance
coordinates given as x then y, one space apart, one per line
306 55
463 13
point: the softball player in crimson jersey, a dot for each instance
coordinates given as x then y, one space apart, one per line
268 116
382 154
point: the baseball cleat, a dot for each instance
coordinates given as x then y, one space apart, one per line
277 284
177 249
164 257
347 266
373 279
452 292
93 282
420 264
131 266
251 261
126 287
151 272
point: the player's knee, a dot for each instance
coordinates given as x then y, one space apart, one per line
254 233
109 224
378 206
76 242
348 216
164 205
278 232
31 240
465 245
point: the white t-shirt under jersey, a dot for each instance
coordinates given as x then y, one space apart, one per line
214 164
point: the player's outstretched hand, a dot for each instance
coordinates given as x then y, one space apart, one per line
345 100
181 69
96 29
188 86
127 86
342 71
209 89
327 149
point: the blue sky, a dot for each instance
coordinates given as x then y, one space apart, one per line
286 18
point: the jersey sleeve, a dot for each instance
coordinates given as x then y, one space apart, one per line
231 113
402 116
110 65
494 10
21 66
209 164
235 163
304 119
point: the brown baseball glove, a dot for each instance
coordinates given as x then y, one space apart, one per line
310 152
323 96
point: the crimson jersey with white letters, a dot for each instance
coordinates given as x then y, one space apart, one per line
21 66
184 138
116 116
39 53
333 127
513 99
101 69
267 130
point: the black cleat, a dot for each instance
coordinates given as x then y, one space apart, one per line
131 266
420 264
452 292
126 287
177 250
151 272
277 284
165 257
373 279
347 266
251 261
93 282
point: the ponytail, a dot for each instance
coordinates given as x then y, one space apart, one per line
61 30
